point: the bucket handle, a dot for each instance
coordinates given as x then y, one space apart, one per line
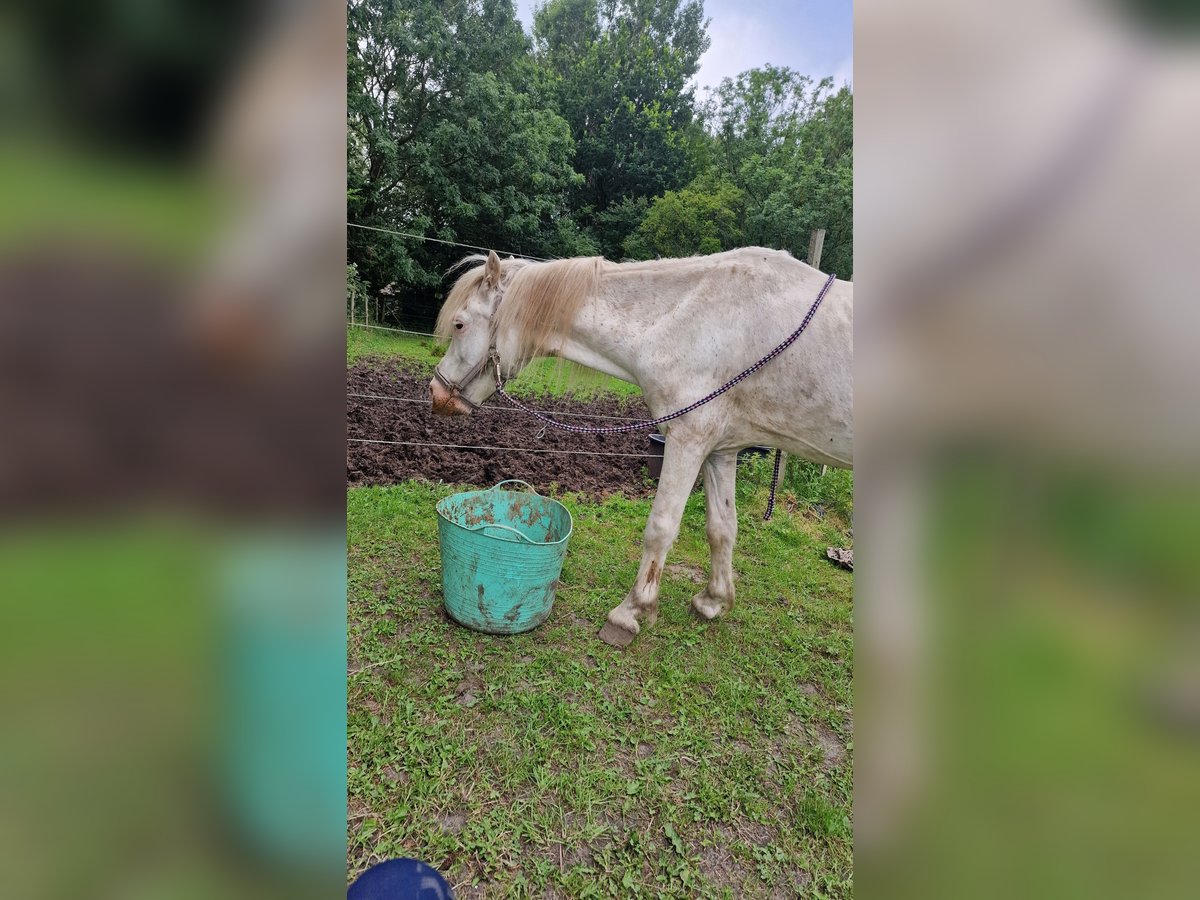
523 537
532 489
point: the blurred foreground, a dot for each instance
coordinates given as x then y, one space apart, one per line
172 481
172 633
1027 625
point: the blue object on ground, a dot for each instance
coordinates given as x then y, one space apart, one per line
400 879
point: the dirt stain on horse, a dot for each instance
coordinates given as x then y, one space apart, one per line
652 574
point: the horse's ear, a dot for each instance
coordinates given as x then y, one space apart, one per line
491 272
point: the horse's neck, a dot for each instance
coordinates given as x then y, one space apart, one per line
610 328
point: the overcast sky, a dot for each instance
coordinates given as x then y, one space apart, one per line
811 36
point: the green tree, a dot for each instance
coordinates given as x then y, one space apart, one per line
762 111
620 71
450 136
788 143
704 217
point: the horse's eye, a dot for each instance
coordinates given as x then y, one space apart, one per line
458 326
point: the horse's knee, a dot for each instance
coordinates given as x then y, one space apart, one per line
660 532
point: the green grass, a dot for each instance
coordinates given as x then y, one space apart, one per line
367 343
52 192
708 759
542 378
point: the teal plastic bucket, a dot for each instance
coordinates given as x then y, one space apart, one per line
502 553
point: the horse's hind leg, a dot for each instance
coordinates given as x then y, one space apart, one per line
720 475
681 463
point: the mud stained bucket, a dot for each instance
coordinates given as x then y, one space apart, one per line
502 553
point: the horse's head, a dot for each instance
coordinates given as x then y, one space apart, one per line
465 377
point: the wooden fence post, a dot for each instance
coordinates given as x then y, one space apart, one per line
816 244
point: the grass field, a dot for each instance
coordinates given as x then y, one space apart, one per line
706 760
709 759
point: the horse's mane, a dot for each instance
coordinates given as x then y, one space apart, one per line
539 303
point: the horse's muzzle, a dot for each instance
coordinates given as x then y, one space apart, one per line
446 403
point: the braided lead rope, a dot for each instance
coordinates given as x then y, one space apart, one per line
774 484
650 423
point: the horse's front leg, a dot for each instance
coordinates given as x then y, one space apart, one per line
681 464
720 476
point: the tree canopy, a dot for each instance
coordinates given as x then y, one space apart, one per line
582 138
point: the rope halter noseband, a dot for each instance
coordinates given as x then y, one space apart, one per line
456 387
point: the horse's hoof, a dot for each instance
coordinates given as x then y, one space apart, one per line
616 636
706 607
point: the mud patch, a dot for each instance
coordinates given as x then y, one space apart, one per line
492 426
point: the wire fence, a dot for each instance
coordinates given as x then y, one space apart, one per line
563 413
387 328
425 237
576 415
498 449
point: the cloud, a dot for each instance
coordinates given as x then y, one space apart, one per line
739 42
844 73
747 34
779 34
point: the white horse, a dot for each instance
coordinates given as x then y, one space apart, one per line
678 329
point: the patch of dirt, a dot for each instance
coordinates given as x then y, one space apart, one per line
452 824
371 705
754 833
682 570
721 867
580 623
800 881
831 746
491 426
396 777
469 690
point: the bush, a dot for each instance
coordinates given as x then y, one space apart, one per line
704 217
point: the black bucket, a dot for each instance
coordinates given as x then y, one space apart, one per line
751 452
654 463
658 443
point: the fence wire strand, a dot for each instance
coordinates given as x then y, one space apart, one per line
498 449
552 412
425 237
386 328
421 237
